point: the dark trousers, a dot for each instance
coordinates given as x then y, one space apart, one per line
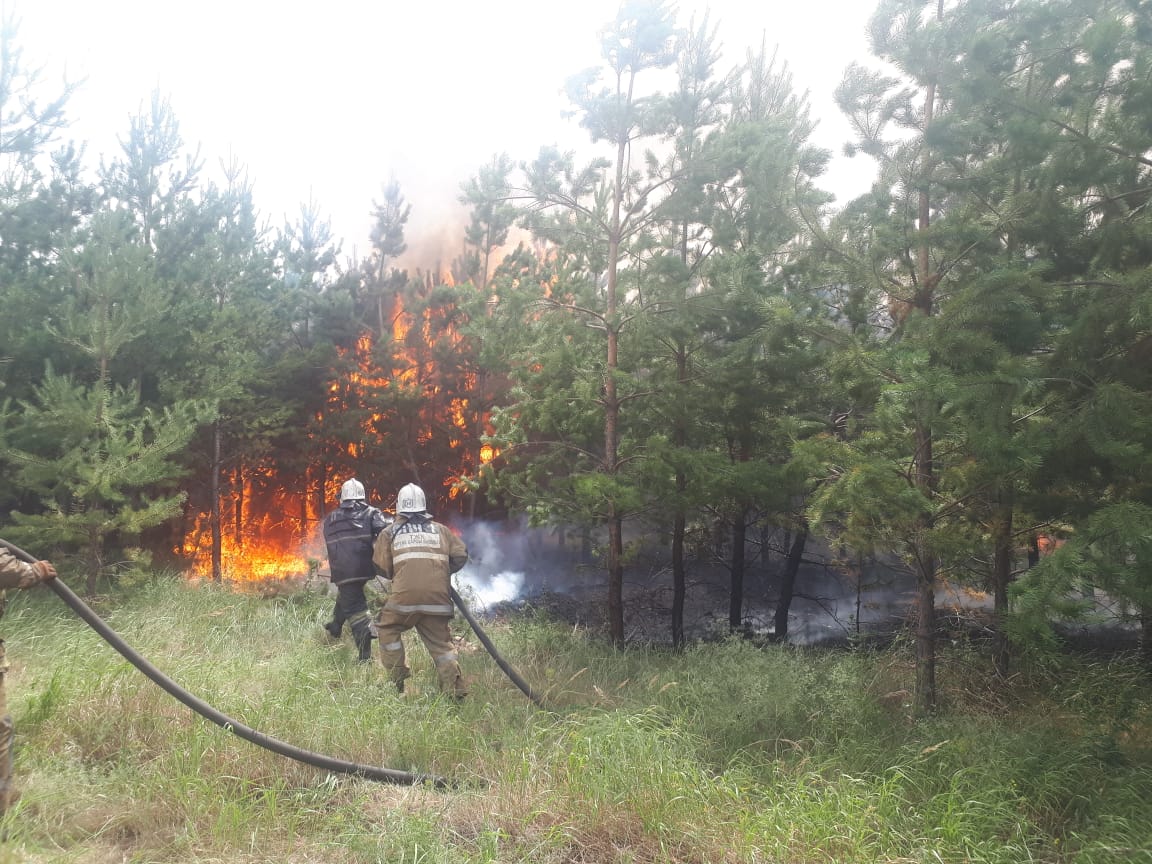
352 607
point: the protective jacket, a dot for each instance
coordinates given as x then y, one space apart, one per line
349 533
419 556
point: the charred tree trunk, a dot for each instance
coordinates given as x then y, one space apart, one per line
788 584
303 520
214 518
616 580
238 506
321 508
1001 577
925 697
736 593
679 581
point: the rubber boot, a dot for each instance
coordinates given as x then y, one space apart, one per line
452 680
361 628
399 676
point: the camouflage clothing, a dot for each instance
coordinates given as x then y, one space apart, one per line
419 556
14 573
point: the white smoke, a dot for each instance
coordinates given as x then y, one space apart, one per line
486 591
512 562
495 572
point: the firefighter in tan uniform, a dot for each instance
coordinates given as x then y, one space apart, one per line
14 573
419 556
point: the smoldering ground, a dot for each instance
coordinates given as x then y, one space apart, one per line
556 570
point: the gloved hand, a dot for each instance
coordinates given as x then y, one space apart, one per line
44 570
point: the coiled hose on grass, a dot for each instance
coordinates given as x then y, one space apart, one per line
317 760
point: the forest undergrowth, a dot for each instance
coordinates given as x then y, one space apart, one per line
727 752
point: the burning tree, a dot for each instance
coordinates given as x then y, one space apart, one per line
388 409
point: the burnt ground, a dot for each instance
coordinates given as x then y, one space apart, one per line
835 603
832 605
514 571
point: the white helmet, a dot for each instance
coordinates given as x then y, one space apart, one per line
352 490
411 500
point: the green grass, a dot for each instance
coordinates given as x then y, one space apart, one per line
724 753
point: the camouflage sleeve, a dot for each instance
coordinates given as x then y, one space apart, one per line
15 573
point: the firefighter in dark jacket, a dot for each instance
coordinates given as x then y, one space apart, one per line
14 573
349 533
419 556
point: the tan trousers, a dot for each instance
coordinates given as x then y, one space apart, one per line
434 632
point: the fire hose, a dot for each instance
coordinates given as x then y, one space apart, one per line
326 763
512 674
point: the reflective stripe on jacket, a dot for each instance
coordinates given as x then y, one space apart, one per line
420 556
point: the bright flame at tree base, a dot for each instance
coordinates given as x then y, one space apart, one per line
271 556
250 564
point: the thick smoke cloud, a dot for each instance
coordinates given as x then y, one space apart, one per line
497 565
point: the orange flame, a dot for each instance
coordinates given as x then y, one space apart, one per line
254 549
274 534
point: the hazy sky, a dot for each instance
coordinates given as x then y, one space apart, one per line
328 100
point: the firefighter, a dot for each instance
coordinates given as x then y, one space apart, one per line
14 573
349 533
419 556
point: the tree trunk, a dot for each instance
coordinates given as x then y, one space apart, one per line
736 594
1001 577
238 506
1033 550
616 579
214 519
788 584
678 579
679 523
612 409
925 697
94 562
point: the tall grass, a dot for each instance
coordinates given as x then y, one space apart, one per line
723 753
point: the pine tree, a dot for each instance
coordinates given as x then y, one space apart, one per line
387 238
99 463
599 215
1091 97
912 244
492 215
43 197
